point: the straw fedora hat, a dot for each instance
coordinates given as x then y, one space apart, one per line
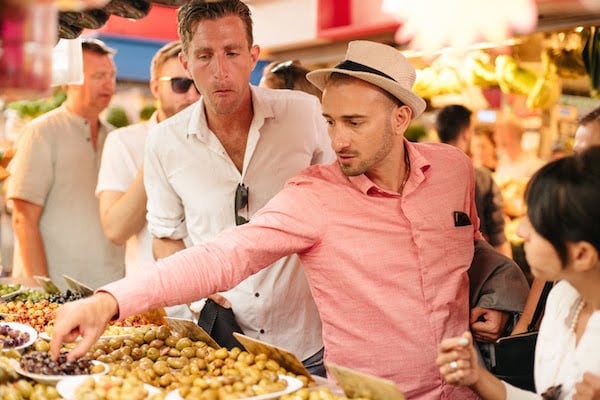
380 65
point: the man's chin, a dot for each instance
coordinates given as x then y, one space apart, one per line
349 170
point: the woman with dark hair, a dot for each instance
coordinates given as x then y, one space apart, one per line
562 243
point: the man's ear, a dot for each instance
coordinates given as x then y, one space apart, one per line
183 60
402 115
584 255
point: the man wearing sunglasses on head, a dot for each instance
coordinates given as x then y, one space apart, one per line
120 185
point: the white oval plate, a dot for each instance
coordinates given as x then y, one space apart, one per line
54 379
66 387
23 328
293 384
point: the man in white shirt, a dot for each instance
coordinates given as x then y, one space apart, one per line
239 140
120 186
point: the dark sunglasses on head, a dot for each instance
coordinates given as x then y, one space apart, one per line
179 85
284 69
241 201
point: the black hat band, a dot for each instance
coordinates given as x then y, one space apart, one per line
358 67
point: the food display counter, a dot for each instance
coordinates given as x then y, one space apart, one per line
146 356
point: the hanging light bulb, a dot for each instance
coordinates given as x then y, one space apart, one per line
429 25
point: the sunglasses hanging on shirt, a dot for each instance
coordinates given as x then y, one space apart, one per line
179 85
241 201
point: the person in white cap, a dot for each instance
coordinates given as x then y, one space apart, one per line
385 234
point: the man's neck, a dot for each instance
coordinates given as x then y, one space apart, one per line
90 116
92 119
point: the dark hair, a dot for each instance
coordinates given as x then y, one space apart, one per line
96 46
592 116
450 122
164 54
194 11
289 75
562 199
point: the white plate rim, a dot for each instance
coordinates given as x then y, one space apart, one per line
54 379
10 295
66 386
33 335
293 385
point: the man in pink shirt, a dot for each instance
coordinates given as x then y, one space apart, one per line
385 235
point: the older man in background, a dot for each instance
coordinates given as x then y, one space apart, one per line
54 173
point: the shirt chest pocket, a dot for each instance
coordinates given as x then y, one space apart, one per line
446 248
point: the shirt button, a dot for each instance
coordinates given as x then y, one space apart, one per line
262 331
256 294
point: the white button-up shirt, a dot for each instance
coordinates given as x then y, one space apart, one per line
191 183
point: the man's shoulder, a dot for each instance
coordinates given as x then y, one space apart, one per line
281 99
177 124
437 153
136 129
127 136
57 116
323 173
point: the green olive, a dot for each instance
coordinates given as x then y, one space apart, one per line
138 338
149 336
163 332
153 353
136 353
41 345
183 343
24 387
188 352
160 368
156 343
171 341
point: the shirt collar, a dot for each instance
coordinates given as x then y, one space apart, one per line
198 126
418 165
103 126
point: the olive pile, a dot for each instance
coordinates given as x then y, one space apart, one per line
41 363
30 295
64 297
8 288
108 387
37 315
316 394
168 360
23 389
10 337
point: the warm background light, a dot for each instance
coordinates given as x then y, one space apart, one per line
430 25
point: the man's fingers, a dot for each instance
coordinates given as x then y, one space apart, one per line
82 347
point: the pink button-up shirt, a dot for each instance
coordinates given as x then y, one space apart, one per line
388 272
